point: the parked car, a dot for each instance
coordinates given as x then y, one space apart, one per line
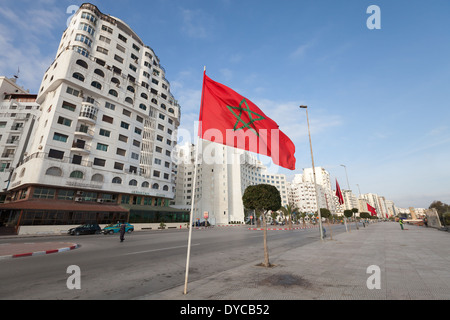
115 228
85 229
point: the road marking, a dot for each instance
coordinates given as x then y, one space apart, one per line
154 250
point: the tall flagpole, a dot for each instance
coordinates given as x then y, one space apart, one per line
193 199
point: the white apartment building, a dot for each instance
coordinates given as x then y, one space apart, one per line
218 183
106 130
18 113
223 175
302 194
377 202
303 191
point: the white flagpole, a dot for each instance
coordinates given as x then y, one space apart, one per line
191 216
192 207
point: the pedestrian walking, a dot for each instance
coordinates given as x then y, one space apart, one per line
122 232
401 223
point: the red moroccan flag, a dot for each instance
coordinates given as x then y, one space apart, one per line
372 210
228 118
339 193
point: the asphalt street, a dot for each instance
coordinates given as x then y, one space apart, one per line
144 264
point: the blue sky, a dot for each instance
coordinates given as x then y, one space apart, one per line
378 99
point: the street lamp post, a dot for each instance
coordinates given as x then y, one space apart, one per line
349 191
314 174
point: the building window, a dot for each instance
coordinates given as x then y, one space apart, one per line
113 93
117 180
121 152
78 76
118 58
56 154
87 28
89 17
118 166
77 175
121 37
97 178
102 147
105 133
82 63
133 183
54 171
107 29
43 193
99 72
96 84
65 121
123 138
73 92
135 47
60 137
81 51
84 39
134 156
125 125
136 143
105 39
99 162
66 195
108 119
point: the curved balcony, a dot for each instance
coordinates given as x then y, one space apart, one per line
88 113
81 147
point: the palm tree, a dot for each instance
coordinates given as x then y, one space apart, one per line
288 211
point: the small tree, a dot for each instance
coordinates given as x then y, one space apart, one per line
262 198
325 213
348 213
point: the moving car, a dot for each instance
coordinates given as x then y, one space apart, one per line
85 229
115 228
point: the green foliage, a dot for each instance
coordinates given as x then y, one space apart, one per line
440 207
348 213
262 198
365 215
325 213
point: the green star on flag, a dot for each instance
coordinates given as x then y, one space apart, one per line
223 111
249 125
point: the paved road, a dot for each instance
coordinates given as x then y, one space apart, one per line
146 263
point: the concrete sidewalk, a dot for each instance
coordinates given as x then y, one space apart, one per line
413 264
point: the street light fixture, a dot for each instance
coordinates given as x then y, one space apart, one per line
348 184
314 173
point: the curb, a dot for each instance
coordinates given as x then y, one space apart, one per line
282 229
39 253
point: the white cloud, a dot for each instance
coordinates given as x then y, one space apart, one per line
25 36
194 23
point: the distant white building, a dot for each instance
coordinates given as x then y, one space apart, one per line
302 191
384 208
223 175
18 116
